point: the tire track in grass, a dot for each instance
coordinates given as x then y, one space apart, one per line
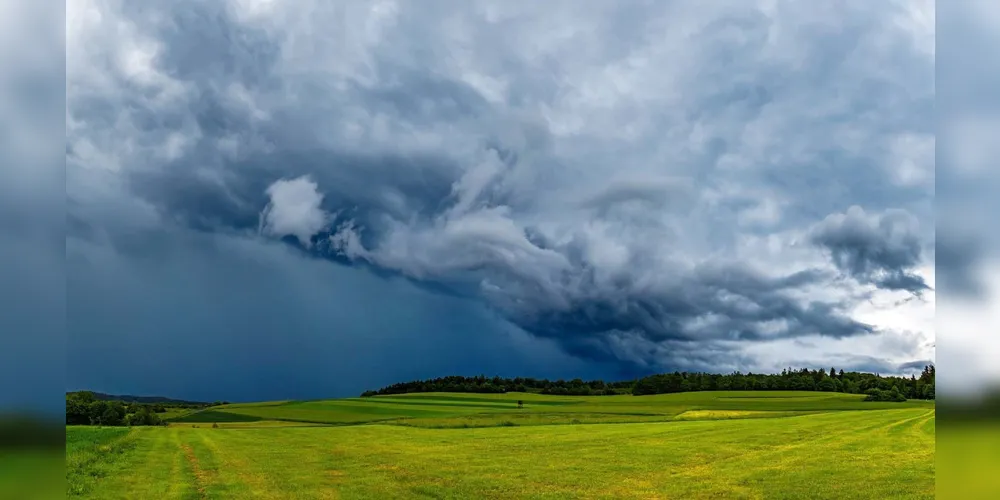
248 470
200 477
861 440
239 467
205 466
923 416
172 448
808 436
920 429
880 452
160 454
183 482
930 426
846 431
717 471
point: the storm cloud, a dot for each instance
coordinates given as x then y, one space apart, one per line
629 183
880 249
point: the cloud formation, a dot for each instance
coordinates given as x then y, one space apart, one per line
967 253
631 181
294 210
880 249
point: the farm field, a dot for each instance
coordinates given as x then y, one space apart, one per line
465 446
967 452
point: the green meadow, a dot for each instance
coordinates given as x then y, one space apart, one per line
968 454
790 445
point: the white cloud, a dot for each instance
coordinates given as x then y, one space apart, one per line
294 209
968 327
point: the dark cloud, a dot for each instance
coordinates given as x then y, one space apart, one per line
730 303
32 208
916 365
869 364
880 249
603 179
33 319
222 317
364 187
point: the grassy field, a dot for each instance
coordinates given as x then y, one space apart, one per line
692 445
174 413
968 456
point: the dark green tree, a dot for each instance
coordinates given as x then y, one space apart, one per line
826 385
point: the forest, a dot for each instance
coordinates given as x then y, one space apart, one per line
90 408
876 387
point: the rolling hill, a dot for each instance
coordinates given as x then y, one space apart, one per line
773 444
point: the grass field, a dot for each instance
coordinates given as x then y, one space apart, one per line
968 457
691 445
174 413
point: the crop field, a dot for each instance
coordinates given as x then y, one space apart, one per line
467 446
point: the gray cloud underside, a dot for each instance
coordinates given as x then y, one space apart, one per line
878 249
627 179
214 316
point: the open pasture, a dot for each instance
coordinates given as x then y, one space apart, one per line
690 445
488 410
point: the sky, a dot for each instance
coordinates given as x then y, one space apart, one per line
275 200
32 208
967 201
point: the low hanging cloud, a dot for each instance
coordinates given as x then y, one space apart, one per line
295 209
878 249
569 291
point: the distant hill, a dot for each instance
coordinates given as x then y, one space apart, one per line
127 398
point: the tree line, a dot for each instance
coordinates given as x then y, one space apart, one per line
911 387
498 385
87 408
983 406
876 387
